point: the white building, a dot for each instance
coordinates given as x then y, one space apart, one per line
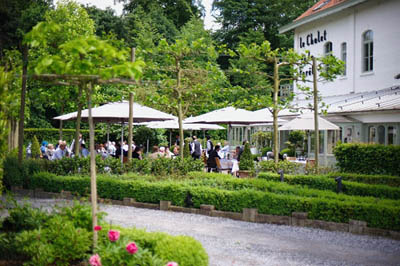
365 34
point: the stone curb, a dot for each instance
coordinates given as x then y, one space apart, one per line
299 219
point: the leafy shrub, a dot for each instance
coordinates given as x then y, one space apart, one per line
52 134
35 148
59 243
265 150
186 149
368 158
350 188
222 181
287 167
336 210
288 152
246 160
369 179
16 174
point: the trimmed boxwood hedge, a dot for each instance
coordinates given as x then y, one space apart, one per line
386 217
389 180
368 158
223 181
350 188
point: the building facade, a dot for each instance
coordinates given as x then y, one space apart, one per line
365 34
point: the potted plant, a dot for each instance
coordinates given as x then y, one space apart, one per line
246 164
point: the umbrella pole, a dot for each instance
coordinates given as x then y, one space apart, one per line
204 139
108 133
170 138
122 142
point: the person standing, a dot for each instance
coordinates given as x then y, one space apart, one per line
196 148
210 146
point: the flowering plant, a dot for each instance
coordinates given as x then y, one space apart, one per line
116 249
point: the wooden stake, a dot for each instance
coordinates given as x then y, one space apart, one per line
93 187
316 127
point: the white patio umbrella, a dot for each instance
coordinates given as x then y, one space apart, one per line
119 112
228 115
306 122
174 124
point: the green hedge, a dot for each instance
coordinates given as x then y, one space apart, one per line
52 135
368 158
388 180
386 217
227 182
349 188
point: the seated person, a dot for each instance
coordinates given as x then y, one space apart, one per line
155 154
213 159
137 153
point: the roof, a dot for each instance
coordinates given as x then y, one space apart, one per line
387 99
321 9
320 6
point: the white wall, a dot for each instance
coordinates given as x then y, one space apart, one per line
380 16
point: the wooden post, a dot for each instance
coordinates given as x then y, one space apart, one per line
22 107
316 127
93 187
130 122
275 112
130 128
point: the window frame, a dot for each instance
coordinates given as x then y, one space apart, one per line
343 56
367 58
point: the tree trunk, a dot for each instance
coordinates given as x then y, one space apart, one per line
130 126
93 187
22 107
60 129
180 118
275 112
78 120
130 122
316 127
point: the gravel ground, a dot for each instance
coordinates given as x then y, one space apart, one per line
230 242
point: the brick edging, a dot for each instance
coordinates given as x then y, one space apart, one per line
248 214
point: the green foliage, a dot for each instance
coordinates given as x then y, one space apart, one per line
287 167
265 150
186 150
368 158
35 148
369 179
115 253
287 151
155 137
349 188
51 135
262 138
246 160
384 216
60 243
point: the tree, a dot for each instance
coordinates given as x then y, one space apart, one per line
286 66
181 72
254 21
179 12
90 61
67 22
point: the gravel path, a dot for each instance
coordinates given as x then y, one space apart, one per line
229 242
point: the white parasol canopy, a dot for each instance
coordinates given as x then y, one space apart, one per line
306 122
119 112
229 115
173 124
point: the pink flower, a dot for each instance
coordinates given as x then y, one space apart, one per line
113 235
172 263
97 228
131 248
95 260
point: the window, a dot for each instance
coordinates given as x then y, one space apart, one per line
344 57
391 135
368 51
328 48
381 135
